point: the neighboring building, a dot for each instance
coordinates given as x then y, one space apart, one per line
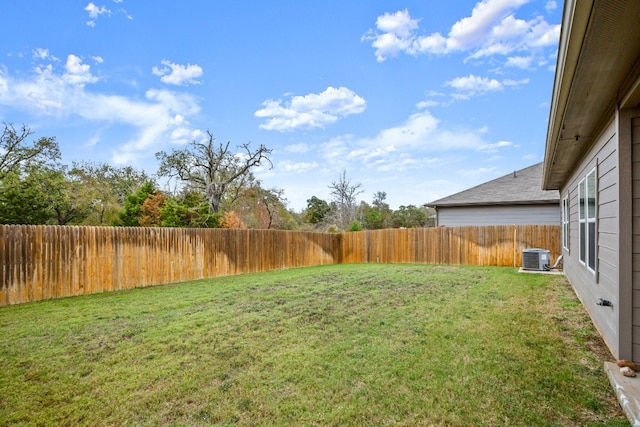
516 198
592 157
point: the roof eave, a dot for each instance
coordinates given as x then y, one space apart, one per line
501 203
596 75
574 26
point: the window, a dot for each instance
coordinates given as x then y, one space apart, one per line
587 220
565 222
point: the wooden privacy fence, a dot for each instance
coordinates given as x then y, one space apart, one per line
471 245
42 262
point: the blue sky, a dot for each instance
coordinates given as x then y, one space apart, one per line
420 99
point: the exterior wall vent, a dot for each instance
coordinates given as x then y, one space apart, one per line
535 259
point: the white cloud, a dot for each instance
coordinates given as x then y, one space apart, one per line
179 120
289 166
510 28
492 29
423 131
472 85
427 104
397 34
178 75
160 117
310 111
509 82
184 135
484 22
494 148
94 12
77 72
399 23
551 5
335 151
523 62
409 145
543 34
43 54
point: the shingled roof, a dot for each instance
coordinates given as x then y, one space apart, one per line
522 187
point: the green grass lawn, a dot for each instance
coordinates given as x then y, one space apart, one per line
335 345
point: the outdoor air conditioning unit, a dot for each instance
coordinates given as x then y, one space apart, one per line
535 259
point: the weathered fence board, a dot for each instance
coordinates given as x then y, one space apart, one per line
42 262
490 245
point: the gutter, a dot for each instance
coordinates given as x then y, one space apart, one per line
489 204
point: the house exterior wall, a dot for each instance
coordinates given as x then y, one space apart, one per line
544 214
589 285
635 232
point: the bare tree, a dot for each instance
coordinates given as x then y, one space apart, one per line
344 195
213 169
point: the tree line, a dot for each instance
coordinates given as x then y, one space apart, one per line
206 184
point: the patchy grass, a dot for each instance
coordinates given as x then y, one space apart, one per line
335 345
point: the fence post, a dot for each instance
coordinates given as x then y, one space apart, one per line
515 241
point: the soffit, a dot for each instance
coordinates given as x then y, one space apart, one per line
588 90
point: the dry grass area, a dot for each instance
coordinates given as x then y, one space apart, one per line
337 345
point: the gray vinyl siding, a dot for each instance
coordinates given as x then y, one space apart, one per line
590 286
499 215
635 168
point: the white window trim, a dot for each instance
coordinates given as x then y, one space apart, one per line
581 219
565 222
586 220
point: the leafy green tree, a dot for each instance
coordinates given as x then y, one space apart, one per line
173 214
17 153
104 188
213 169
188 210
32 184
22 201
317 210
371 217
130 217
355 226
409 217
41 194
66 196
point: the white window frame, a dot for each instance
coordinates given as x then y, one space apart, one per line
565 222
587 224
